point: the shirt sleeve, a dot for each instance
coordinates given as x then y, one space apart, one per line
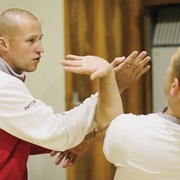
114 146
38 150
32 120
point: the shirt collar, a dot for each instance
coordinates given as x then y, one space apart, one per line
7 69
168 117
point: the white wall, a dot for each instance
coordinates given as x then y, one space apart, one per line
160 61
47 83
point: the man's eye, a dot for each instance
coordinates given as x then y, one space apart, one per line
31 40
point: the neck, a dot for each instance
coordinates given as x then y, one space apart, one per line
7 69
173 112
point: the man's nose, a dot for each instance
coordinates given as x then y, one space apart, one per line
40 47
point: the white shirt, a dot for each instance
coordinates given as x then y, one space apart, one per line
32 120
145 147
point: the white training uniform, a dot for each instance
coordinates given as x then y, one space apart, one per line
144 147
32 120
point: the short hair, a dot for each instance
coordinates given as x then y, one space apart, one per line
8 20
176 65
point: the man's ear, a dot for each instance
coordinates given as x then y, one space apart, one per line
3 44
175 87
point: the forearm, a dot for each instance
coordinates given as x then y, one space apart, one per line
35 122
109 102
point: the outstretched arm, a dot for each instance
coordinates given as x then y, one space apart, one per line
109 100
125 76
108 97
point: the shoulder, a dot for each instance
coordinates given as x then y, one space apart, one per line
11 85
122 130
131 123
7 78
131 119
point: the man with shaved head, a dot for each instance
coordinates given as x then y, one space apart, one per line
27 125
19 30
147 147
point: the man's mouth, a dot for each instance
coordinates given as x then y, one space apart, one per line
37 58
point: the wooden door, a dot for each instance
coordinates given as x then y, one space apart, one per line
106 28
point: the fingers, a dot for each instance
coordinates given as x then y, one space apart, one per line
142 71
117 61
142 67
78 64
130 59
140 57
53 153
70 160
73 57
73 160
127 62
145 61
134 59
71 63
61 156
93 76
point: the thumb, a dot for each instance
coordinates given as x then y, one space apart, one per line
117 61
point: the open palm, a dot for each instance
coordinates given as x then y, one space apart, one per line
94 66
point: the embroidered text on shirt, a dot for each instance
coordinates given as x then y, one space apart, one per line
30 104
